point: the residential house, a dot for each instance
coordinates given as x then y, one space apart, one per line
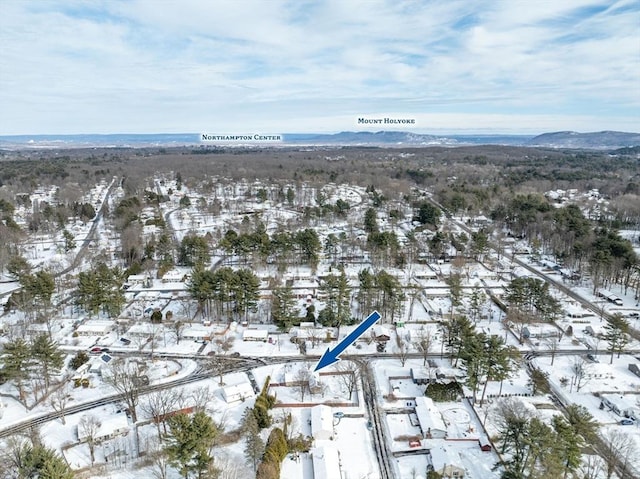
322 423
430 419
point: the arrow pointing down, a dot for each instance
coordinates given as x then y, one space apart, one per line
331 356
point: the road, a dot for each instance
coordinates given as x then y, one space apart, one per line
235 365
380 443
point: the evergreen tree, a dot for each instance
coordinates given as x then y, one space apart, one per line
616 334
190 441
283 307
16 361
254 445
47 356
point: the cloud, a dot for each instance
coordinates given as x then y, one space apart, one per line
148 66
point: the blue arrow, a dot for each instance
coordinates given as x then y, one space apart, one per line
329 357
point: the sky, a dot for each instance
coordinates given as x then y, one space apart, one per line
300 66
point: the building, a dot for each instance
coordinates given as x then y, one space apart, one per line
419 376
622 405
326 462
430 419
237 392
380 333
110 427
255 335
446 463
484 443
95 328
96 365
322 423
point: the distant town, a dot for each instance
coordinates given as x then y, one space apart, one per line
164 310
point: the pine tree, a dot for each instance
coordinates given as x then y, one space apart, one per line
190 441
254 445
47 356
616 334
16 360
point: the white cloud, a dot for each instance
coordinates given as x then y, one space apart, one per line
149 66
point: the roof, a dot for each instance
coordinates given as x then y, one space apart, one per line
429 415
255 334
326 462
108 425
96 326
237 392
442 456
321 419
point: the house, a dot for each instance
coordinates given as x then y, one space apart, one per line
430 419
255 335
95 367
446 463
173 276
95 328
137 279
635 369
322 423
198 334
326 462
380 333
237 392
622 405
419 376
110 427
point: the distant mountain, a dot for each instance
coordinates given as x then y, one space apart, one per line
369 138
595 140
388 138
609 140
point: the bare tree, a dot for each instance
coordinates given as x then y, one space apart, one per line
619 452
159 459
218 365
424 342
553 343
124 376
88 429
58 401
160 404
178 328
349 375
402 349
591 467
580 369
301 381
224 344
201 398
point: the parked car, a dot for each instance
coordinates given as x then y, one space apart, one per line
96 350
627 422
125 341
592 357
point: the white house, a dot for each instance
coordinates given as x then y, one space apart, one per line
197 333
173 276
96 365
110 426
326 462
430 419
137 279
446 463
321 423
95 328
237 392
622 405
255 335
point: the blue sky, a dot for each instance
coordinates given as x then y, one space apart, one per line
275 66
